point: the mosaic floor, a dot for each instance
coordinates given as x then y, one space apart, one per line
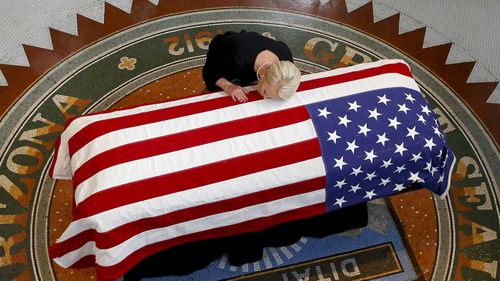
155 53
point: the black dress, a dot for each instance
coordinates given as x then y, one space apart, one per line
232 56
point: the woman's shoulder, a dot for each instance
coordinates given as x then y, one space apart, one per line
281 49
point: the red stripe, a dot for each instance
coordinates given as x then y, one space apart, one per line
59 249
182 140
399 68
115 271
85 262
197 176
102 127
122 233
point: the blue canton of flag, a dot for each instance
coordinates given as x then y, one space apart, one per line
378 143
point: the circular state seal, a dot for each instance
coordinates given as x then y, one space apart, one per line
159 60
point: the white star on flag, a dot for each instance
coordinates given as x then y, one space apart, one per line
399 169
370 156
354 106
402 107
383 99
340 201
409 97
425 110
437 132
324 112
364 129
428 166
416 157
340 183
339 163
351 146
370 176
394 122
412 132
387 163
354 188
429 143
421 119
399 187
333 136
434 169
415 178
344 120
441 178
400 148
382 139
374 114
370 194
356 171
384 182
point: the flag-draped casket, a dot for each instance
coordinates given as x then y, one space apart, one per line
151 177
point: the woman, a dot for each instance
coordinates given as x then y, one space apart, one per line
240 59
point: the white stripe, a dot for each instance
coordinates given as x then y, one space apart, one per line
193 157
71 257
251 183
112 256
63 170
135 134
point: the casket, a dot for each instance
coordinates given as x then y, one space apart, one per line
152 177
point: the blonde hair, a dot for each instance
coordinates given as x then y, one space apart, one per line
285 76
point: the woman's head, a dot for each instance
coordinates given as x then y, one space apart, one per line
280 81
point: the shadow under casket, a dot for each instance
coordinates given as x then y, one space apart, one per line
248 247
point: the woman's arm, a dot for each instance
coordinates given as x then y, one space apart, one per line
219 63
236 92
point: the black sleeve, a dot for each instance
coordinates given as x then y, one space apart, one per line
283 52
215 64
221 61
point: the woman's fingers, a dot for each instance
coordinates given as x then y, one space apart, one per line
243 96
238 93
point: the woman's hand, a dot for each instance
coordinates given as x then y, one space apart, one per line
236 92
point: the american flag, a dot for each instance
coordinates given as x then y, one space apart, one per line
155 176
